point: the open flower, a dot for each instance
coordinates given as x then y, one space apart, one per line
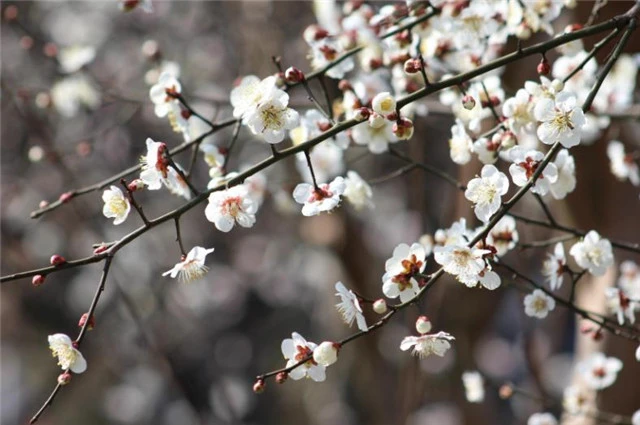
192 266
163 94
357 191
375 133
272 118
116 205
349 307
593 253
486 192
68 356
562 120
554 267
401 269
622 165
251 92
316 200
566 180
538 304
465 263
619 303
504 235
231 206
384 104
297 349
599 371
156 171
525 164
425 345
460 144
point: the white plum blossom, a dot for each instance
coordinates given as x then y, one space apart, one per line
577 399
457 234
250 92
504 235
297 349
73 58
375 134
272 118
566 181
599 371
622 165
323 198
561 120
326 353
163 94
399 279
473 386
357 191
349 307
156 171
72 93
486 192
68 356
192 266
542 419
554 267
525 164
619 304
428 344
384 104
538 304
213 155
629 279
467 265
460 144
116 205
231 206
545 89
327 50
593 253
519 112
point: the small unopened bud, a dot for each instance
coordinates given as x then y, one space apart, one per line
423 325
66 197
344 85
380 306
43 204
151 49
100 248
11 13
83 320
412 66
57 260
543 67
314 33
508 140
281 377
557 85
326 353
506 391
403 128
64 378
523 31
135 185
468 102
376 120
37 280
258 386
375 63
361 114
597 335
293 75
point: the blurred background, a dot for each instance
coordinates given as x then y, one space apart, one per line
164 352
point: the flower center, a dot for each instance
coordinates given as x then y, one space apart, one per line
303 353
271 117
118 205
540 304
320 193
66 355
410 266
562 121
462 257
530 166
232 206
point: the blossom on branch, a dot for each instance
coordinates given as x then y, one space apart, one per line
319 199
562 119
349 307
68 355
486 192
116 205
297 349
599 371
401 269
357 191
192 266
622 165
554 267
593 253
156 171
538 304
231 206
525 164
428 344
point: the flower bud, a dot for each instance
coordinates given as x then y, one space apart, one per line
380 306
134 185
64 378
83 320
326 353
508 140
506 391
383 103
281 377
423 325
150 49
375 63
43 204
37 280
314 33
361 114
403 128
543 67
557 85
523 32
258 386
412 66
468 102
293 75
11 13
57 260
66 197
344 85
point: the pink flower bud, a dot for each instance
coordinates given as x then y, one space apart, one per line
57 260
380 306
64 378
66 197
258 386
344 85
314 33
83 320
293 75
361 114
543 67
37 280
136 184
281 377
423 325
412 66
468 102
403 128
